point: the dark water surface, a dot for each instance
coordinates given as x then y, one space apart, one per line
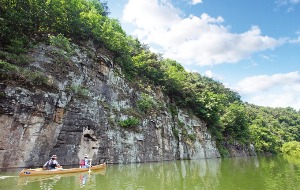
212 174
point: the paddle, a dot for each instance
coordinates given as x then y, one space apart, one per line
90 165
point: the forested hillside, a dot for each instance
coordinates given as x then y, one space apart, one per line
26 23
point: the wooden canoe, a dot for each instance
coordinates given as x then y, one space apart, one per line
24 180
40 171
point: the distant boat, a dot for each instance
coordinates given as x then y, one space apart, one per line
41 171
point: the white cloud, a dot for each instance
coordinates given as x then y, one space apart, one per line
278 90
201 40
150 15
210 74
287 2
194 2
266 82
266 57
295 41
284 99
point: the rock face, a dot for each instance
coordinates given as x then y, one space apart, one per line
81 113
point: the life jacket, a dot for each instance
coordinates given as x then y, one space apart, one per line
51 164
82 162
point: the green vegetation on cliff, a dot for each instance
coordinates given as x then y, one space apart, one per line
60 22
270 128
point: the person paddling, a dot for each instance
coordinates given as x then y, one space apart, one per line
52 163
84 163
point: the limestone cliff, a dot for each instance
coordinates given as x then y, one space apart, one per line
79 112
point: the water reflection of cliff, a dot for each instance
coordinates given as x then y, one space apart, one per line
292 159
270 173
194 174
283 172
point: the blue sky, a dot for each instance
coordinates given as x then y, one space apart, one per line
252 47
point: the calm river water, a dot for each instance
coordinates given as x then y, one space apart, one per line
211 174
